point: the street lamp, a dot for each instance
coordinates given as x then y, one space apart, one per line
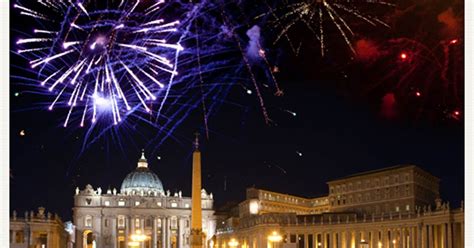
136 238
233 243
364 244
275 238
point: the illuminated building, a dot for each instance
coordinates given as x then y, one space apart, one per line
395 207
142 208
37 230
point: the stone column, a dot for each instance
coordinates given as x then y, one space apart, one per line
127 229
422 236
49 242
450 235
163 232
332 239
339 239
132 225
180 232
323 240
113 223
357 238
347 239
430 236
142 229
373 239
353 238
30 236
168 232
385 238
153 234
443 235
13 237
435 231
412 238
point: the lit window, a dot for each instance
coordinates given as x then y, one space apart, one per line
107 203
407 207
137 203
186 205
158 222
88 221
159 204
121 203
253 207
397 208
174 204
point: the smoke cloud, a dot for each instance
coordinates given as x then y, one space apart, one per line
254 42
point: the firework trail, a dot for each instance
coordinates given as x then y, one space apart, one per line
317 15
249 68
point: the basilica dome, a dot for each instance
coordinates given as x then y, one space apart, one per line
142 181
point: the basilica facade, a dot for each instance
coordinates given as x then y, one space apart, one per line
141 210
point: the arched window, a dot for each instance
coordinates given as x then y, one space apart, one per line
137 223
174 222
121 221
88 221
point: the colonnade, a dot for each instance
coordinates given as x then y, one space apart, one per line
415 235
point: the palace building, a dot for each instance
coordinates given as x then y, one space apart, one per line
395 207
141 214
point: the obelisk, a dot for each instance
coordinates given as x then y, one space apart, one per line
196 210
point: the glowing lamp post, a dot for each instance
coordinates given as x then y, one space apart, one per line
364 244
233 243
274 238
137 238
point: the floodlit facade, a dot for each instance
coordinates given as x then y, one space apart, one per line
395 207
141 214
37 230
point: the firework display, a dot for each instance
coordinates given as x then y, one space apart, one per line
316 15
118 66
101 57
431 75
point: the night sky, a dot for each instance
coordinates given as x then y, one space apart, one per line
332 121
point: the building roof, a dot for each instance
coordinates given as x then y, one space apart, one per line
391 168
